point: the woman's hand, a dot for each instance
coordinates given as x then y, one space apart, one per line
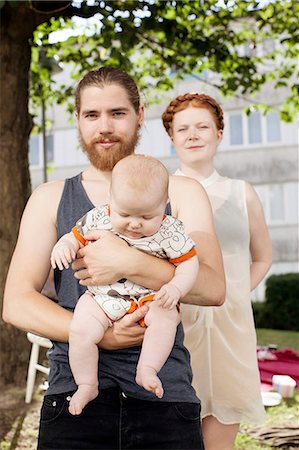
125 332
103 261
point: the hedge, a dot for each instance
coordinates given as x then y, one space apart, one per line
280 311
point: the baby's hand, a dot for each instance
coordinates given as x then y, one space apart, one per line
62 255
168 296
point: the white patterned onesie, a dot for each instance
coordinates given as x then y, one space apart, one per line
169 242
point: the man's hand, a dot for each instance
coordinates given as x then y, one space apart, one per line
125 332
102 262
168 296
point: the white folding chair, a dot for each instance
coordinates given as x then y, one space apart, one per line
37 342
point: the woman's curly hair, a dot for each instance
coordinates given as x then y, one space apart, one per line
196 100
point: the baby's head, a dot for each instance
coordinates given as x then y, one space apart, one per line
138 196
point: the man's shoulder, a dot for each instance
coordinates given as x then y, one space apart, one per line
184 187
177 182
47 194
51 187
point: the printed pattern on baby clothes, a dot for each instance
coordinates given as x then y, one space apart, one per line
169 242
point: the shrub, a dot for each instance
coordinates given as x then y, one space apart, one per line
259 314
281 308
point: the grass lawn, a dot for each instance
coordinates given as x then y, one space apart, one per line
281 338
287 412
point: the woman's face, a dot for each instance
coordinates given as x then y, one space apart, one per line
195 135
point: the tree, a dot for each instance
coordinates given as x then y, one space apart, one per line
150 39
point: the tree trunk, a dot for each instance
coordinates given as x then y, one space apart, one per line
15 127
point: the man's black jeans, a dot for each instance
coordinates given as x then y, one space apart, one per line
114 421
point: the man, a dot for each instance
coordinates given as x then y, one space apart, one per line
109 116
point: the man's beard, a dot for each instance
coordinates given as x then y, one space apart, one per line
106 159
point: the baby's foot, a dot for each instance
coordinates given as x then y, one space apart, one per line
148 379
82 396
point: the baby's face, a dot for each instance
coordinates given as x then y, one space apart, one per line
136 217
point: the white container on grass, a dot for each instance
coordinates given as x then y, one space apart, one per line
284 384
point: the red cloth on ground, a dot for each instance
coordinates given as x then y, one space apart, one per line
286 362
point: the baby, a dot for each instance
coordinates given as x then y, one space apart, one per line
136 213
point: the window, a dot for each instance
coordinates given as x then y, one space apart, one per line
34 150
236 129
254 128
280 202
273 127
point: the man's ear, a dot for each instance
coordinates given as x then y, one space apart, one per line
141 115
77 118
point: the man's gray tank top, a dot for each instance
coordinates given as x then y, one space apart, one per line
116 368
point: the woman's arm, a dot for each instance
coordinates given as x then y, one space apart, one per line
260 243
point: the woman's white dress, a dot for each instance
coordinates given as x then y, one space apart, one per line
222 340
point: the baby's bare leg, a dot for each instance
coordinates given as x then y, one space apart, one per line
157 344
87 329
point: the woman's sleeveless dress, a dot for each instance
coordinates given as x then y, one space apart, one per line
222 340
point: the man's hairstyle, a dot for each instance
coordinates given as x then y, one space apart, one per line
106 76
197 101
143 174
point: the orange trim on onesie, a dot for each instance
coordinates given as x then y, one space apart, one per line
79 236
148 298
134 306
185 257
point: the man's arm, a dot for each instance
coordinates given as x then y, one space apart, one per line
24 306
191 205
110 258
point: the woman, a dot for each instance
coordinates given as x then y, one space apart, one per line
222 341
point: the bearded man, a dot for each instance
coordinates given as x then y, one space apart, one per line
109 116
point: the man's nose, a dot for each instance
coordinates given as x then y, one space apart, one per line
105 125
